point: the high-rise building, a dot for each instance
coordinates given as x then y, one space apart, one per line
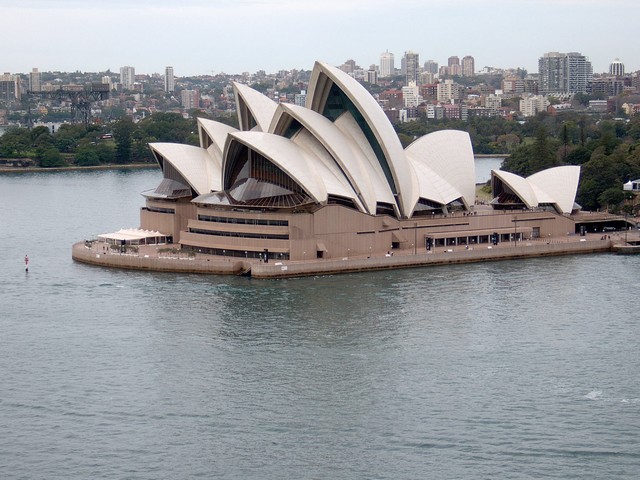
169 83
387 67
616 68
468 66
532 104
35 81
431 67
349 66
579 73
453 60
411 67
9 88
127 77
411 95
564 73
190 99
448 91
372 77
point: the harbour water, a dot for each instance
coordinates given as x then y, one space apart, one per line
515 369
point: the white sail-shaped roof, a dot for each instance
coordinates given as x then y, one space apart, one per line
216 132
520 186
194 164
450 165
285 154
554 186
334 180
253 105
432 186
341 147
358 141
557 186
213 136
323 77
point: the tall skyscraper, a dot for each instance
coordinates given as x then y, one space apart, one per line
127 77
169 83
431 66
411 67
387 67
564 73
35 81
616 68
468 66
9 88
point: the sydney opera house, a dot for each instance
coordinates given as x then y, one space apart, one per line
332 181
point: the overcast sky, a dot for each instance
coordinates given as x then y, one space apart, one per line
199 37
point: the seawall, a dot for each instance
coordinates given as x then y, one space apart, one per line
207 264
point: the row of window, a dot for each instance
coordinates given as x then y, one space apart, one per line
244 221
239 253
161 210
262 236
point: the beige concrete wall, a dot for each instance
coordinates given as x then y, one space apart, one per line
333 266
338 232
274 269
168 223
168 263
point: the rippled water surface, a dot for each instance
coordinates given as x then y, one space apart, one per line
526 369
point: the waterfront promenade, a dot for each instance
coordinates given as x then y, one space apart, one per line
160 258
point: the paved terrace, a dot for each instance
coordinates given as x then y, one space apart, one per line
164 258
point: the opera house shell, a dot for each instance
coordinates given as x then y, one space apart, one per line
555 188
329 180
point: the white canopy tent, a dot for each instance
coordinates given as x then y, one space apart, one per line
134 236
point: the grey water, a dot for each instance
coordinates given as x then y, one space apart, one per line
515 369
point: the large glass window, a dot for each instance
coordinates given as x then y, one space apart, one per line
263 236
244 221
338 103
254 180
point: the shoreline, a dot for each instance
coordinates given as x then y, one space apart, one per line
111 166
150 259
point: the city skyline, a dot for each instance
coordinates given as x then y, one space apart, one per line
273 35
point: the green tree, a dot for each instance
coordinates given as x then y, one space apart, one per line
87 156
51 157
16 142
578 156
612 197
122 134
543 151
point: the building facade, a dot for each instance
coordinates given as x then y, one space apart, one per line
169 81
564 73
411 66
10 88
616 68
431 66
35 81
127 77
530 105
387 67
411 95
468 66
190 99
